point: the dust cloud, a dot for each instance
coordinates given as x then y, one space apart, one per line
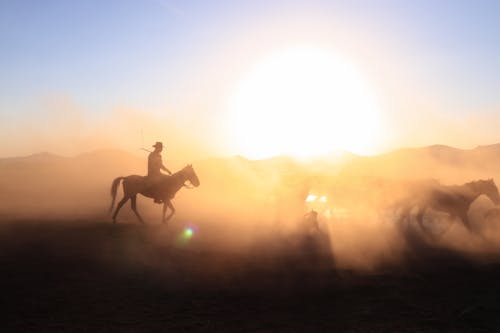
260 210
65 127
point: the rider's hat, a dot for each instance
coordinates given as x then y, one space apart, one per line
158 145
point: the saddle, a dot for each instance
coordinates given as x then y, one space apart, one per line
154 188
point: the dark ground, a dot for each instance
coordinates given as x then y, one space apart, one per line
92 277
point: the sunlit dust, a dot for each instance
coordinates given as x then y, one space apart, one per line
311 198
304 102
318 203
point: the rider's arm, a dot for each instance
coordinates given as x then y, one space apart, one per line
164 168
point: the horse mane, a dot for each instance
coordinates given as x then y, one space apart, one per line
183 169
479 182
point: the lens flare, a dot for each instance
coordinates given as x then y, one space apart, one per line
187 234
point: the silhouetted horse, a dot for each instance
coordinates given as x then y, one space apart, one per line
454 200
165 190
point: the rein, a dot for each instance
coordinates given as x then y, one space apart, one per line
187 186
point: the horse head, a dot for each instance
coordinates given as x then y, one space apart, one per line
486 187
189 174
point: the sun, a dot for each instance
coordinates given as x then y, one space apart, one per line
304 102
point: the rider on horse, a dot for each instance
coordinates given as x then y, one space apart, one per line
155 165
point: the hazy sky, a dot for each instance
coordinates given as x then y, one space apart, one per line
163 70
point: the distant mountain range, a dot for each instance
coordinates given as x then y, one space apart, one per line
437 161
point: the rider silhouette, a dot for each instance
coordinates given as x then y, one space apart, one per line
155 165
311 220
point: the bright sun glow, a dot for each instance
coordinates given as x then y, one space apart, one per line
303 102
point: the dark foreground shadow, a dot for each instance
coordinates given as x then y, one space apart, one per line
90 277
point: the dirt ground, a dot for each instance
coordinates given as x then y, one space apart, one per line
92 276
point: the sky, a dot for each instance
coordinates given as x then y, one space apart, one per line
79 76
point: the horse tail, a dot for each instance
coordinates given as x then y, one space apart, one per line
114 188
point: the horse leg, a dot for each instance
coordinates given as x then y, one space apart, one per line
120 204
167 204
133 202
164 210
